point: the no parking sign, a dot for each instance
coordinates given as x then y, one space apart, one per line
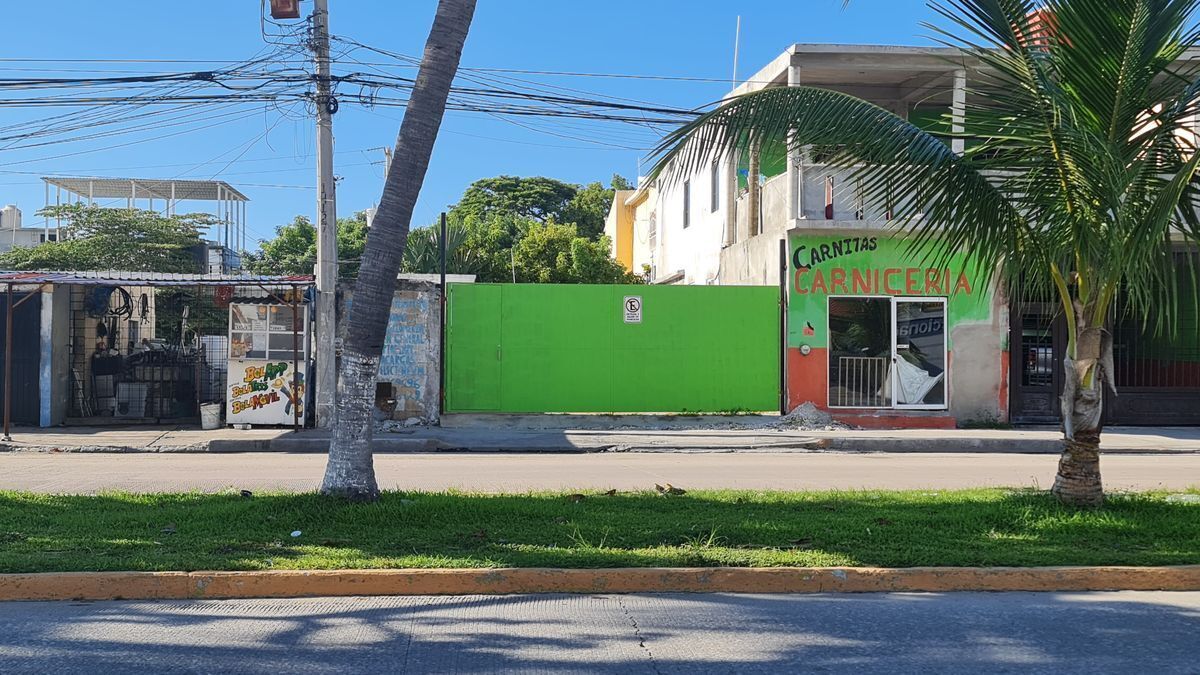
633 308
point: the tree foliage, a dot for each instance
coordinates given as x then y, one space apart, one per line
96 238
553 253
294 248
496 215
533 198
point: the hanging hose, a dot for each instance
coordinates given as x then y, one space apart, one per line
99 303
124 306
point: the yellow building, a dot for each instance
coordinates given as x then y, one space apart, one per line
630 228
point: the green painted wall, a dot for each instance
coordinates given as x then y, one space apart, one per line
871 262
530 348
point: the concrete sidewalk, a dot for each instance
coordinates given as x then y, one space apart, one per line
761 438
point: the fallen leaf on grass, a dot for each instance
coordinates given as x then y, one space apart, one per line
576 498
169 529
610 493
802 542
247 494
669 489
561 520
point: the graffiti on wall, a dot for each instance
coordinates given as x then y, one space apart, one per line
267 387
410 353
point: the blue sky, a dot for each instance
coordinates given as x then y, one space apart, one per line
269 154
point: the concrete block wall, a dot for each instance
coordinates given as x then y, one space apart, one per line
409 371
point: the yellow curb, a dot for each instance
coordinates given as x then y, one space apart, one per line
291 584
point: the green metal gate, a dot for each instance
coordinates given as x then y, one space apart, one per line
533 348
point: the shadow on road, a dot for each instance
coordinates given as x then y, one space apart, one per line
962 632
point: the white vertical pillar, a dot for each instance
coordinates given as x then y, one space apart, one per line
795 194
171 203
91 192
132 194
958 111
221 237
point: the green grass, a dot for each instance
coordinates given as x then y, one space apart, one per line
41 533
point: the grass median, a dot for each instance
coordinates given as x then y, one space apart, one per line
231 531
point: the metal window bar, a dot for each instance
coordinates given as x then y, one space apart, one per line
860 381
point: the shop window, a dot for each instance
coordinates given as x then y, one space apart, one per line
687 203
920 354
887 352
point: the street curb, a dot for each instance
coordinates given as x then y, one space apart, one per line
332 583
438 446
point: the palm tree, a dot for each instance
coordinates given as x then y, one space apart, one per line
1079 180
350 472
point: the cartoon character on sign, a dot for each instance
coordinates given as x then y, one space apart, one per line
296 399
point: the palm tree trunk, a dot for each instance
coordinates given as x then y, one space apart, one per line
350 472
1078 480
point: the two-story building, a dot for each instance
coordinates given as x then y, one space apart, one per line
874 334
13 235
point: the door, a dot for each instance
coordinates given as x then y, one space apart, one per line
919 353
26 357
860 352
1038 339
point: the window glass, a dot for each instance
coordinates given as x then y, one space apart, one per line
860 348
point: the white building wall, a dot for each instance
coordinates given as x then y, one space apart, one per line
693 251
13 235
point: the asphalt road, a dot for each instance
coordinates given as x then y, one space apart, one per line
88 473
892 633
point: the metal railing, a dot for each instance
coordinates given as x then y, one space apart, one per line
860 382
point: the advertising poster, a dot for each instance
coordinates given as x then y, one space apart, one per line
260 387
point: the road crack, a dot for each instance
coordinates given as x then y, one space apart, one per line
637 632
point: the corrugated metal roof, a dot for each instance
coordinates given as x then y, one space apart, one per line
122 278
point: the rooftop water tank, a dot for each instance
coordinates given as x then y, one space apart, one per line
10 217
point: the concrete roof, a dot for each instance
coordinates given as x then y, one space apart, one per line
847 66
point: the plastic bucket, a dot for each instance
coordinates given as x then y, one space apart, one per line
210 415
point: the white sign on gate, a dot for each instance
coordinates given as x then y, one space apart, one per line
633 308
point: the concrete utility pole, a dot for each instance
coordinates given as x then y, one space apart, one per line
327 255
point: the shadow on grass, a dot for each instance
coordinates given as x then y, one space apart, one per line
223 531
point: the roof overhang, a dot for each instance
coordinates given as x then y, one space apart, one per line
124 278
105 187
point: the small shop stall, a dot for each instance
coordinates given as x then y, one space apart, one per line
133 348
268 360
